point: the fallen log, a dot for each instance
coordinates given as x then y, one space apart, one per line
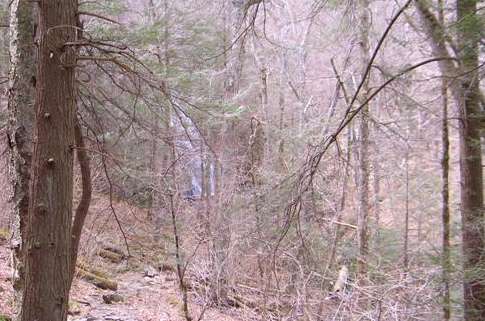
86 267
111 256
113 248
98 281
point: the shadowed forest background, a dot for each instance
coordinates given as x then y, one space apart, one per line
242 160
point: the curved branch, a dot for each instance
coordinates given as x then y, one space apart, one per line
85 201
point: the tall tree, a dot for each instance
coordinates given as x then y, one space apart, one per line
471 170
21 118
48 251
464 87
363 148
445 193
445 210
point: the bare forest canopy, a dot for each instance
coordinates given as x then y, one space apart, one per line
267 160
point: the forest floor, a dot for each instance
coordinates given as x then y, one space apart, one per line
144 298
152 297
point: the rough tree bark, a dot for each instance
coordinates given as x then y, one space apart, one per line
472 211
21 120
48 249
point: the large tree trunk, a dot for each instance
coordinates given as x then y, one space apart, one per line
472 210
21 113
48 251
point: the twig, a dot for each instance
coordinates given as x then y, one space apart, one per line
91 14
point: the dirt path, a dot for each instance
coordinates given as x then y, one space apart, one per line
144 299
